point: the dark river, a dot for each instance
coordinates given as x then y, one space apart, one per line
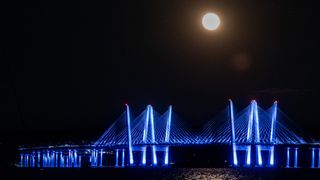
158 173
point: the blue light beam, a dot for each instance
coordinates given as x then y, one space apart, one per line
248 156
129 135
168 126
153 140
312 158
273 121
250 122
234 150
319 158
295 157
167 138
271 162
257 132
101 157
122 160
117 157
288 157
145 134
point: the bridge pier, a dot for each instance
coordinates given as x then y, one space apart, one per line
271 156
248 156
117 158
123 156
247 149
151 155
144 155
166 155
288 158
101 158
38 159
296 157
295 165
259 156
318 157
312 157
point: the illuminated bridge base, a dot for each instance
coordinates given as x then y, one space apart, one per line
251 137
77 157
174 156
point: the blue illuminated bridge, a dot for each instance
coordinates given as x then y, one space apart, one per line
255 137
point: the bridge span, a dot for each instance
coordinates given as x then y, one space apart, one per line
257 138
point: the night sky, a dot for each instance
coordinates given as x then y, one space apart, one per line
68 67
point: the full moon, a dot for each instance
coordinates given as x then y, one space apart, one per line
211 21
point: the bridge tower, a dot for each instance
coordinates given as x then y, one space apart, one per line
129 134
147 126
253 138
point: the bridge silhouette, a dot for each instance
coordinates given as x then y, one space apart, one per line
252 125
252 133
245 130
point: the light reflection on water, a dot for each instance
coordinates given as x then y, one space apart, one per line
207 173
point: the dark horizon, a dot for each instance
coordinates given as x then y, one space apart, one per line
68 68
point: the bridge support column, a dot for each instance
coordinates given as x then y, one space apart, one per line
21 160
51 157
288 157
44 159
101 158
123 155
56 155
166 155
38 159
77 157
318 157
295 158
144 155
32 160
258 150
25 163
117 158
248 156
154 155
62 162
234 154
247 149
94 158
312 158
271 156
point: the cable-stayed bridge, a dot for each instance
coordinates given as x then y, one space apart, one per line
252 133
252 125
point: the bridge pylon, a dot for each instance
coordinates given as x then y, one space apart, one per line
253 143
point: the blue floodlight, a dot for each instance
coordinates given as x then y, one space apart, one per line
271 163
295 157
273 122
129 135
288 157
117 157
167 138
318 157
257 132
234 150
312 158
154 154
248 156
